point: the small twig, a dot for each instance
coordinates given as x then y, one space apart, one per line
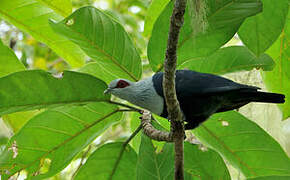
123 149
82 161
151 132
132 135
126 105
126 110
18 174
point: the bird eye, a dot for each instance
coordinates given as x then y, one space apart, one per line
122 84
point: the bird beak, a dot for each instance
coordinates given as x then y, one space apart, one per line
107 91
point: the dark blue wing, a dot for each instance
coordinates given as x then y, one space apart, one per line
189 83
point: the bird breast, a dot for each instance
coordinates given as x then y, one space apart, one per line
146 96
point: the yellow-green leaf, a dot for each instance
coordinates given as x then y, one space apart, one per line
32 17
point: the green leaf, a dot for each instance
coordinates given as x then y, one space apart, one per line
134 124
258 33
223 20
32 17
63 7
154 166
154 10
101 163
26 90
278 80
55 137
206 164
163 122
18 119
9 63
104 40
271 178
3 141
102 71
244 145
229 59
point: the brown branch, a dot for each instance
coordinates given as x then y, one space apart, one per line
151 132
174 113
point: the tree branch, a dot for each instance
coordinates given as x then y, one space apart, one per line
174 113
151 132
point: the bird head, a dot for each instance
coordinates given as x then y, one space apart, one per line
141 93
118 86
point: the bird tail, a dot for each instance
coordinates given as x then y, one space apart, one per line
265 97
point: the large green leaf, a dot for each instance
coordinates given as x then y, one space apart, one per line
152 166
224 18
134 124
103 39
101 70
271 178
3 141
18 119
258 33
198 164
244 144
63 7
32 17
278 80
229 59
102 162
206 164
9 63
52 138
35 89
153 12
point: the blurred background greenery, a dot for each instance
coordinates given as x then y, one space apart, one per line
35 55
131 14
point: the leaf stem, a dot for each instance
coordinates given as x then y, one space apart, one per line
82 161
126 105
123 149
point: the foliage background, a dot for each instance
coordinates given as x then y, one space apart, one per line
132 15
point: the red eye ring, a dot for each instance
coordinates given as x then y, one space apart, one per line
122 84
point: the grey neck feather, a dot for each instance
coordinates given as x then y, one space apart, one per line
143 94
